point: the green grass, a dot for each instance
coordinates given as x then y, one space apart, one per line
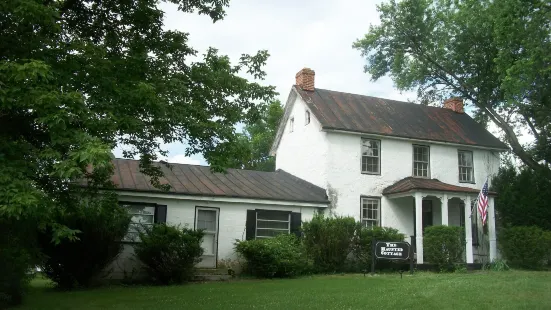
480 290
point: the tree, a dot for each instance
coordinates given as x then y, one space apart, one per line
257 138
494 54
78 78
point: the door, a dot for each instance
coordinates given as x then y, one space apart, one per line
207 219
427 214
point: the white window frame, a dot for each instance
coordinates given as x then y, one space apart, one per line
378 157
125 204
421 162
306 117
365 201
288 230
465 167
291 124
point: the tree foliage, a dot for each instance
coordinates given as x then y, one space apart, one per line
523 198
494 54
79 78
256 140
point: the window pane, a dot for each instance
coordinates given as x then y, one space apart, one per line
272 215
268 233
276 225
206 219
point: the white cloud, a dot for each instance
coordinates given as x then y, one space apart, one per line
183 159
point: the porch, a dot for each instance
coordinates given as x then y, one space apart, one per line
419 203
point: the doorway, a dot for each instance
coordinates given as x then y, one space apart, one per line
207 219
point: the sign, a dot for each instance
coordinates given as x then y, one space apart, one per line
392 250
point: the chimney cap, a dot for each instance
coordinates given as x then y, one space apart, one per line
455 104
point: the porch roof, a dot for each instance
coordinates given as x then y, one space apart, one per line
414 184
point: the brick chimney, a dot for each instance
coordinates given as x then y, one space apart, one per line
455 104
305 79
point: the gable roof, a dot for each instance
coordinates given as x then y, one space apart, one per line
370 115
412 183
235 183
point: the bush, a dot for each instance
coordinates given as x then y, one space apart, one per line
77 263
17 259
328 241
169 253
282 256
525 246
362 247
444 246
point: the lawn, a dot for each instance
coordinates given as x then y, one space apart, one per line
480 290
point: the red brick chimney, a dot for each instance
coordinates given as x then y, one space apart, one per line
455 104
305 79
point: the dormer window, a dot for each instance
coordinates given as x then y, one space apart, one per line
306 118
292 124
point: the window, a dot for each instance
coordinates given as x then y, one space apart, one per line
370 212
141 214
421 159
291 124
271 223
466 173
371 156
307 118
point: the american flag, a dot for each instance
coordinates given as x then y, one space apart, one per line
483 202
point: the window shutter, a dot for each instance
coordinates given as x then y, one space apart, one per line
250 225
296 221
160 214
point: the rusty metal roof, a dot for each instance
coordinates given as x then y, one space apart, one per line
371 115
412 184
236 183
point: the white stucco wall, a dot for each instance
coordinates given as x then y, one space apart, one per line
232 217
303 152
348 183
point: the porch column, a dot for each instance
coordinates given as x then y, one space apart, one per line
419 226
468 231
445 210
492 228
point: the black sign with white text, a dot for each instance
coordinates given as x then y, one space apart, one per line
392 250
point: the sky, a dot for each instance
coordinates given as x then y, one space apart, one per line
317 34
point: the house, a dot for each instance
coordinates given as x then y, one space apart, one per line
391 163
383 162
238 204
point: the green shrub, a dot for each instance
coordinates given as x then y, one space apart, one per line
169 253
78 263
362 246
329 241
444 246
525 246
497 265
281 256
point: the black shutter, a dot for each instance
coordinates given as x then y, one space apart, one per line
250 225
160 214
296 221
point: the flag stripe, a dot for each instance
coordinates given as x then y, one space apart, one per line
483 202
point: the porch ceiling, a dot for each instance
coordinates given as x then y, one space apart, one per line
414 184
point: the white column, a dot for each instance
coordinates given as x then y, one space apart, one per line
444 205
468 231
492 228
419 226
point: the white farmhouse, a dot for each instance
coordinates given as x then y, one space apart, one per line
383 162
390 163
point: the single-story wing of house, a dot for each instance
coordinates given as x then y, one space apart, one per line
238 204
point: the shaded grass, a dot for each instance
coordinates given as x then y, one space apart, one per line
481 290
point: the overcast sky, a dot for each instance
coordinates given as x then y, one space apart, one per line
302 33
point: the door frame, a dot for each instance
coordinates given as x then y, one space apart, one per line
217 234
